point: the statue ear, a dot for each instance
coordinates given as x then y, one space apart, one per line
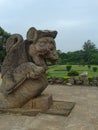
32 34
54 33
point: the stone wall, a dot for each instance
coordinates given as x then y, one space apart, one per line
81 80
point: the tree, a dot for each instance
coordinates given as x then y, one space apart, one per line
62 57
88 48
75 57
3 37
87 55
93 59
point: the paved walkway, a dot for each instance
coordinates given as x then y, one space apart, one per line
83 117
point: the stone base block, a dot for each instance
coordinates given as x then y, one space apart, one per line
42 102
28 105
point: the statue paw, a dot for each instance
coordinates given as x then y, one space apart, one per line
36 73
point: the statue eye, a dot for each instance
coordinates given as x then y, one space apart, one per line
51 49
42 43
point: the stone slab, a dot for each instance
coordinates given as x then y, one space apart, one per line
61 108
21 111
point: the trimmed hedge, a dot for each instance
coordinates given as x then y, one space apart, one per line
73 73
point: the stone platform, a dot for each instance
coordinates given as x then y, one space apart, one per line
84 116
42 104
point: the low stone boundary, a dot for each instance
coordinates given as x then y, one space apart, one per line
82 80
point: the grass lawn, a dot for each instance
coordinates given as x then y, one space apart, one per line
60 70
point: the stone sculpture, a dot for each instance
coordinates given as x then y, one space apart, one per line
23 69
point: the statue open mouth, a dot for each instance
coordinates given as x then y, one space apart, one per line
53 61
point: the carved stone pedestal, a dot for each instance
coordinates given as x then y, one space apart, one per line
42 102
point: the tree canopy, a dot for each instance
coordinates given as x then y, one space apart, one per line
3 37
87 55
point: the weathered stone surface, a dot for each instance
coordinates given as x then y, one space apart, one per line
59 81
27 112
84 80
23 69
28 105
28 90
84 116
71 81
60 108
52 80
69 84
41 105
42 102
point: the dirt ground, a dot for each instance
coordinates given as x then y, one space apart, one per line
84 116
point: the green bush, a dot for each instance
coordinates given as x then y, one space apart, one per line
94 69
48 75
90 79
73 73
65 79
68 67
89 66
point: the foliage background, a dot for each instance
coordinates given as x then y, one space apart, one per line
88 55
3 37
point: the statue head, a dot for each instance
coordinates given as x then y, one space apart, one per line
42 44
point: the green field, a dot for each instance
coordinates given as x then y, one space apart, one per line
60 70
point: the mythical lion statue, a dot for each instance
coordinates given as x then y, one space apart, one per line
23 69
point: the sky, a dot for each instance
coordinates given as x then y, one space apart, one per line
75 20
